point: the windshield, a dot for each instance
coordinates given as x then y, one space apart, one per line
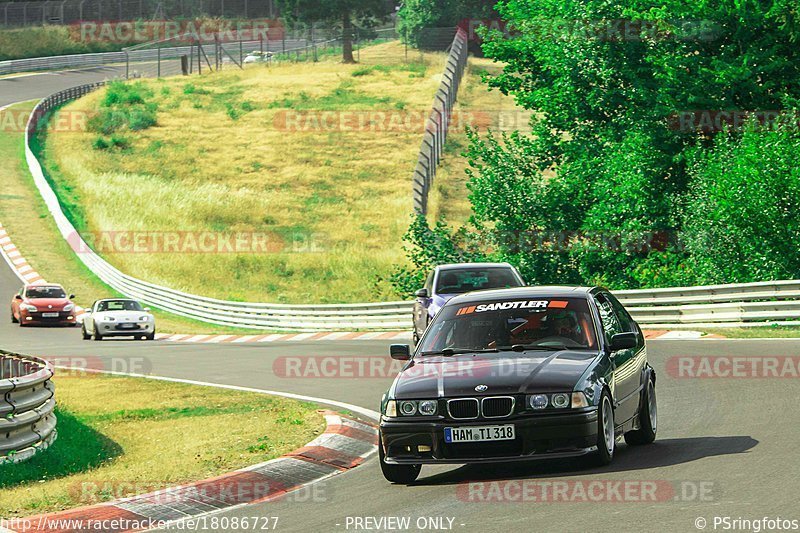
119 305
539 323
466 280
35 293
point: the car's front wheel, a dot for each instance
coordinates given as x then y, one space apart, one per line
97 335
401 474
648 418
13 318
606 438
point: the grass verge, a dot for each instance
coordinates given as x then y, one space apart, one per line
123 436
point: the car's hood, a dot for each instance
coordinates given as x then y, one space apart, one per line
48 303
502 373
122 316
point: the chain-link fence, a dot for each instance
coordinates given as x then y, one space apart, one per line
75 11
196 54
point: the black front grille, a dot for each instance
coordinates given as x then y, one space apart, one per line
463 408
127 327
497 407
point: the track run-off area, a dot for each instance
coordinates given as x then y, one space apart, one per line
726 447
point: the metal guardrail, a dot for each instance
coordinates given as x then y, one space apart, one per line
27 401
430 152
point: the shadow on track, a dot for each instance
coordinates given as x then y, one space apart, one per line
661 453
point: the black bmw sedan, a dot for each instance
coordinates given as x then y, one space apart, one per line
519 374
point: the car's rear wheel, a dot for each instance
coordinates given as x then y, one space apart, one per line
401 474
648 418
606 438
84 334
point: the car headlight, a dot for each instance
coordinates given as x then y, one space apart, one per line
143 319
427 407
108 318
560 400
69 307
408 408
29 308
538 401
391 408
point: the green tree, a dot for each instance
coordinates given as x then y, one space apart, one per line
343 12
742 218
417 15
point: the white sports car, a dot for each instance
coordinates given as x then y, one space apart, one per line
118 317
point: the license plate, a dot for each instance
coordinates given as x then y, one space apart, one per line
478 433
50 315
127 326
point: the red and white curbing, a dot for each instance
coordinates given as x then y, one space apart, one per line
19 265
288 337
345 444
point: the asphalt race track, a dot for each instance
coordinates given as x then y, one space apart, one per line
726 447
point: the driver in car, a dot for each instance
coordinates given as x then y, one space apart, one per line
563 324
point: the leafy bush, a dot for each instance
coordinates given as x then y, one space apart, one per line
124 105
100 144
742 219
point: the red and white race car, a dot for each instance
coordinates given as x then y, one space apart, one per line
43 304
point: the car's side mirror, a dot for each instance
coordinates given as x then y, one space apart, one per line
71 296
401 352
623 341
147 309
422 293
18 297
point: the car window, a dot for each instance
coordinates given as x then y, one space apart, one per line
625 320
45 292
429 282
119 305
459 281
609 320
542 321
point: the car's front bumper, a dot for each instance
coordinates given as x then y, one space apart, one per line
124 329
536 437
63 318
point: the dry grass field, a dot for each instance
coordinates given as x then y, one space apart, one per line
313 160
